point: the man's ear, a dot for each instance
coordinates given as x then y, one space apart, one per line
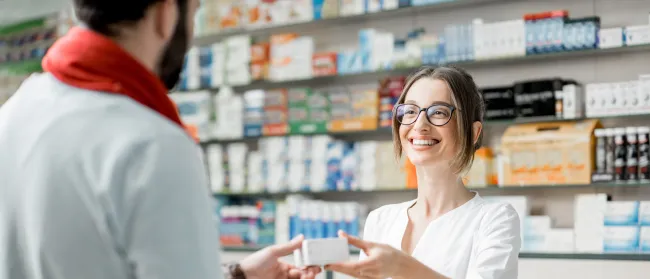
477 128
165 16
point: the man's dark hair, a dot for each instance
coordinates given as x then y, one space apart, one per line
102 15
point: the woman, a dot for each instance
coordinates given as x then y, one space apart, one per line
448 231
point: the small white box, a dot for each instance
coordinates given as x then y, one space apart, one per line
592 99
621 239
611 93
320 252
572 102
632 93
622 213
644 92
390 4
644 213
610 37
351 7
644 239
637 35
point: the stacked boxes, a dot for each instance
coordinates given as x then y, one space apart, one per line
276 113
308 111
254 113
618 98
229 111
275 163
237 167
291 57
389 91
238 61
260 60
299 163
355 111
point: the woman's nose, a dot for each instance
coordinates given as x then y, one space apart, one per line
422 123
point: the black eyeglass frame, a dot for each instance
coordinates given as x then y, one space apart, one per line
420 110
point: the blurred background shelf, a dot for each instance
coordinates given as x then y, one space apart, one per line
385 132
522 255
481 190
307 26
342 80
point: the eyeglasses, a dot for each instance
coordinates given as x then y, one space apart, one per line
438 115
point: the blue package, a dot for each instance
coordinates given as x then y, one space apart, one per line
624 213
531 37
569 35
621 239
318 9
541 40
334 157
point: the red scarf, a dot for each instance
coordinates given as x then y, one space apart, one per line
88 60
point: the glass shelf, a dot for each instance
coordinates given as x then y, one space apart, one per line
386 131
487 190
336 21
340 79
522 255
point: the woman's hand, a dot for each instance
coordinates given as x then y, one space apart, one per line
382 261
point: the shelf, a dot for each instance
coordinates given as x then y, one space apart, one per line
305 27
341 80
482 190
386 131
583 256
522 255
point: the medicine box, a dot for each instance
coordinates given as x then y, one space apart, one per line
622 213
325 9
324 64
610 37
644 213
637 35
352 7
644 241
551 153
622 239
644 92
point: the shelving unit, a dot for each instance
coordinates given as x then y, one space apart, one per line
523 255
373 76
491 190
585 66
385 132
342 20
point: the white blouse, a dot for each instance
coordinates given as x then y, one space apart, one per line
478 240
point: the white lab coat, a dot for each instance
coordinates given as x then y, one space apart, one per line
478 240
95 185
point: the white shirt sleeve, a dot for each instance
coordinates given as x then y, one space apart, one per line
497 254
169 231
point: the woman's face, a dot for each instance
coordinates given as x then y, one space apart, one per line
422 142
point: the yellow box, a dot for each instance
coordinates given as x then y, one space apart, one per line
353 125
551 153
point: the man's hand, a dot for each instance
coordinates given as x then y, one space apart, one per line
266 263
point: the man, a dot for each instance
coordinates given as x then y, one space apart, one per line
98 178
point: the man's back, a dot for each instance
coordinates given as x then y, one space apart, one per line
94 185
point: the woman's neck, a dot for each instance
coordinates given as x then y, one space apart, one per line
439 191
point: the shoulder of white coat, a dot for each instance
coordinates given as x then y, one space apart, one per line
499 214
122 115
387 213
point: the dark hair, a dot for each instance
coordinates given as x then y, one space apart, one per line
102 15
470 108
